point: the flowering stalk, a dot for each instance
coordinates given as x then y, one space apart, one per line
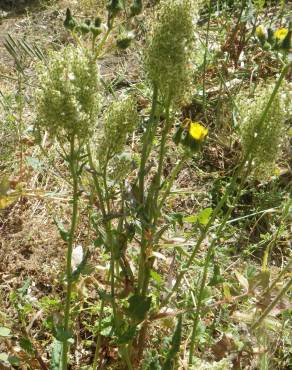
243 172
146 244
147 143
208 259
67 108
73 165
272 305
228 191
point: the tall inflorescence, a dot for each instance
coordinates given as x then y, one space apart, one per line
169 49
120 120
67 100
261 141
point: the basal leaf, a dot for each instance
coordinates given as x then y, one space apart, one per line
139 306
4 332
204 216
56 355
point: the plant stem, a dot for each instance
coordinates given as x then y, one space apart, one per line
206 266
102 42
147 241
202 237
146 144
173 175
227 192
126 356
205 61
96 183
72 164
98 339
272 305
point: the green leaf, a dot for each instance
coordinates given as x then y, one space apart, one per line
175 346
4 185
155 276
24 288
4 357
128 335
104 295
14 360
26 345
4 332
204 216
191 219
216 278
138 306
63 233
56 355
107 327
62 335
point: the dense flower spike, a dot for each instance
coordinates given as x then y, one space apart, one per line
121 166
262 141
68 97
120 120
167 57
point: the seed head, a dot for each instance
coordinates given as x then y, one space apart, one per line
262 140
67 100
168 53
120 166
120 120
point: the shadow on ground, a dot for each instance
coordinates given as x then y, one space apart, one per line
17 6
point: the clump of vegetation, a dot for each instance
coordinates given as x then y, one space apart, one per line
143 285
262 137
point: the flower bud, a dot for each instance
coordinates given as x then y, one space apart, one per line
69 22
124 41
97 22
113 7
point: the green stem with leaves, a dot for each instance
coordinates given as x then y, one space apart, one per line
207 262
270 307
228 191
170 182
147 143
205 59
145 266
73 163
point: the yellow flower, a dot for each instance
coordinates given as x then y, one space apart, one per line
197 131
261 32
281 33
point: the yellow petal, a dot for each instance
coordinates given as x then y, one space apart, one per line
261 32
197 131
5 201
281 33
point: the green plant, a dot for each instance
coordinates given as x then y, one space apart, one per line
120 183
